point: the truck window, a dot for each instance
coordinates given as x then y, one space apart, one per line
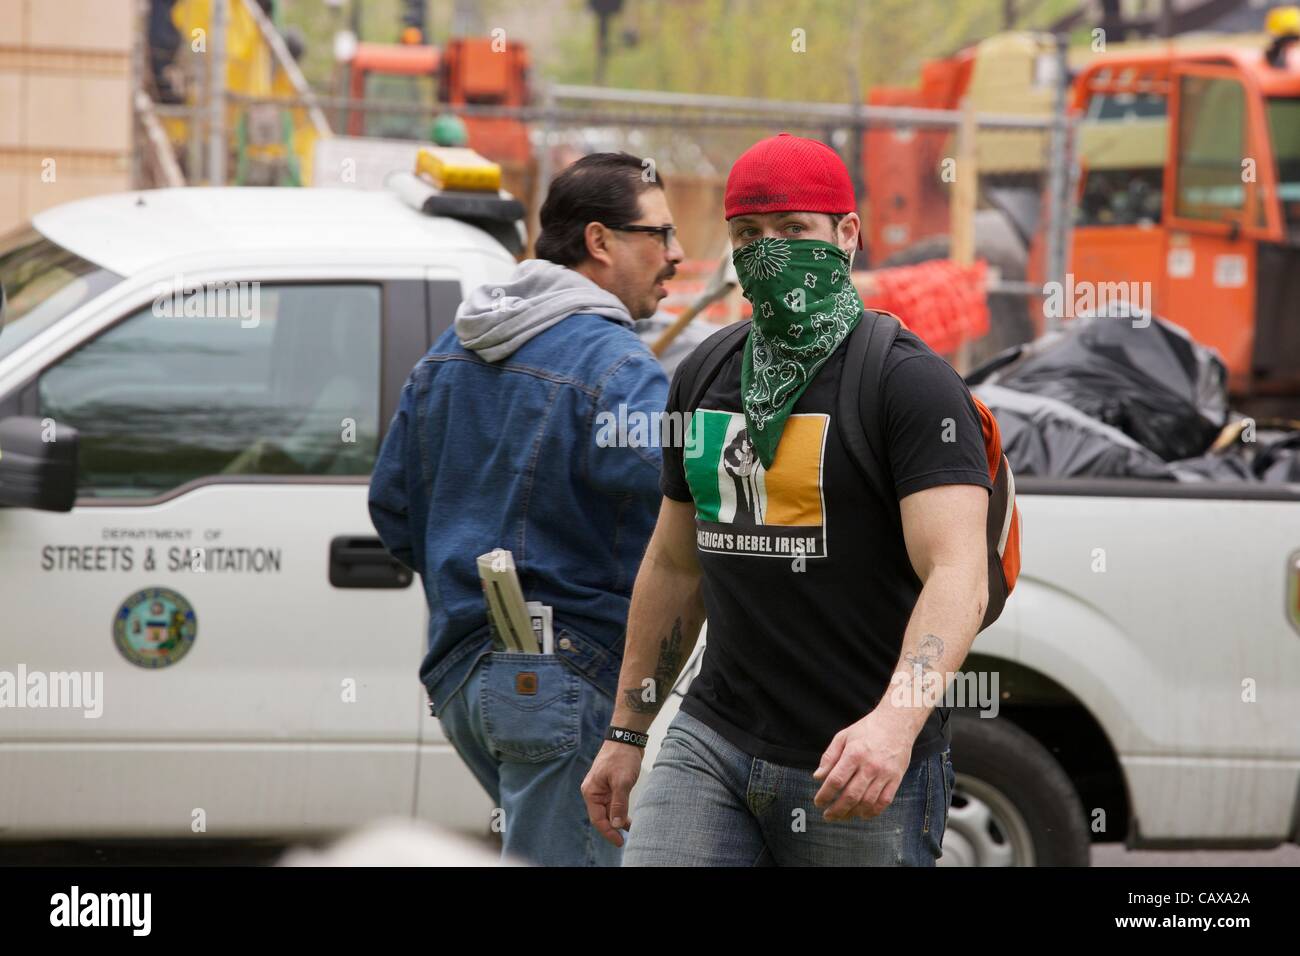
268 380
414 90
1212 145
1121 197
1284 130
1125 107
43 282
1123 141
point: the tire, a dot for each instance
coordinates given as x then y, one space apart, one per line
997 243
1012 804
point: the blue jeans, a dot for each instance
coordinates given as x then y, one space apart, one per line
529 728
708 803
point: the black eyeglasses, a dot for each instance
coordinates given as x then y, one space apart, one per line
666 233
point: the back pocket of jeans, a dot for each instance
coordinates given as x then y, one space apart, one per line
530 706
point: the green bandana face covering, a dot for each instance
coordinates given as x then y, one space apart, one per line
804 305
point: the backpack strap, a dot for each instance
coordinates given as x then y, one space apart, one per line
700 368
859 400
860 411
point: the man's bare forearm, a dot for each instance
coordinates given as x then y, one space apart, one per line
662 629
938 638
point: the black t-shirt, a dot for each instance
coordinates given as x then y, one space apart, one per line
807 583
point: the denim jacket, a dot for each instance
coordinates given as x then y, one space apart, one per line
516 454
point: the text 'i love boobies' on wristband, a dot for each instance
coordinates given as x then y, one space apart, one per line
624 736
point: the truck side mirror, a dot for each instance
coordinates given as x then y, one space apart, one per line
38 464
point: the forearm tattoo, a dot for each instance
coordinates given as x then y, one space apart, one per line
927 653
646 699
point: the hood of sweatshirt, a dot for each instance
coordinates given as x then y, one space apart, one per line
498 318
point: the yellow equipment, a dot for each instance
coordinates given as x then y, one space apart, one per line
449 167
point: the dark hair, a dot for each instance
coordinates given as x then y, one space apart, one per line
601 187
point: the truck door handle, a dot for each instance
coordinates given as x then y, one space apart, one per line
363 563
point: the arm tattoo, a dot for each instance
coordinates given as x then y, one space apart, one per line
666 668
929 650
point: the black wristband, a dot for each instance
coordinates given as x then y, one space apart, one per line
624 736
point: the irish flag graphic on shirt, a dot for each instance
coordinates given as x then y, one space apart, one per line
742 507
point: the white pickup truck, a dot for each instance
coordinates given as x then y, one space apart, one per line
200 634
1148 677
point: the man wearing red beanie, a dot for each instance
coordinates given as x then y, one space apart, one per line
805 739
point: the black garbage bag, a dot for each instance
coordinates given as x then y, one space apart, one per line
1213 467
1046 437
1272 456
1152 382
1278 463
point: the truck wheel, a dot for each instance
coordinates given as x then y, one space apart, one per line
997 244
1012 804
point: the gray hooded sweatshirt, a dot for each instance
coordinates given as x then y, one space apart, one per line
497 319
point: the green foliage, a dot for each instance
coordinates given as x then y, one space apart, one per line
728 47
381 22
746 47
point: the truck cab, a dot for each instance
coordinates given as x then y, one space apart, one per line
1191 190
194 384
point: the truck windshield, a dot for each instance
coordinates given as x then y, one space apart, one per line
42 283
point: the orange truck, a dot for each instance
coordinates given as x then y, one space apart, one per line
1188 200
468 71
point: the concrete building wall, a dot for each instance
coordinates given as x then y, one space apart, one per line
65 107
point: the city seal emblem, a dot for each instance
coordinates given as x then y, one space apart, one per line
155 628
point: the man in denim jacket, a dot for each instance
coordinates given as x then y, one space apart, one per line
503 439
